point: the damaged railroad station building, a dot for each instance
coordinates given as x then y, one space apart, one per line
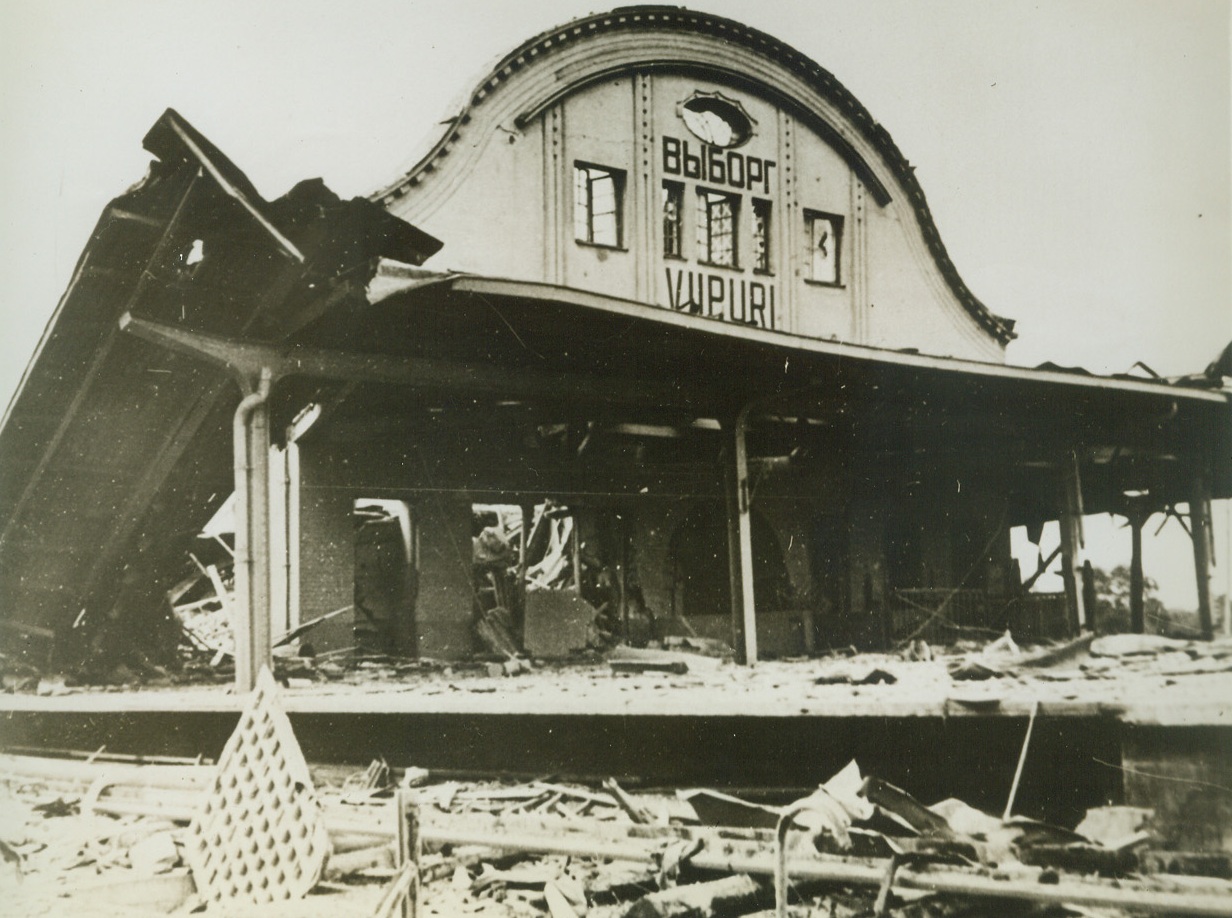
699 366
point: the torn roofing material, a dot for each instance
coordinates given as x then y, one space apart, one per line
111 444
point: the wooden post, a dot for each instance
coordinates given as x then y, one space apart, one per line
740 540
519 614
575 549
1070 520
1200 531
1139 512
1137 608
622 575
402 895
251 609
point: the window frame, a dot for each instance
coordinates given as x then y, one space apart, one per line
584 211
673 191
705 249
765 264
837 222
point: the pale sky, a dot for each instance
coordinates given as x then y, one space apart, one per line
1075 153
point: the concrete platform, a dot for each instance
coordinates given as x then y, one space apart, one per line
725 726
774 689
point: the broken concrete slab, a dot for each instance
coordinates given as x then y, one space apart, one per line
557 623
1126 645
155 854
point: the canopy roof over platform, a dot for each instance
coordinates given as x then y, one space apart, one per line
560 345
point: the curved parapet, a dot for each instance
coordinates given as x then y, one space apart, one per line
827 217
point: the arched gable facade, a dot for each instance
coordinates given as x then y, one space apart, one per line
689 162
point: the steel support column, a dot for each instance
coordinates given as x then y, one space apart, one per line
1200 531
740 539
1138 513
1070 520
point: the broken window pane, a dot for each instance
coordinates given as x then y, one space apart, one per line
597 194
761 235
673 217
824 233
716 227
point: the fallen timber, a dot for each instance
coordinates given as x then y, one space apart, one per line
171 792
754 858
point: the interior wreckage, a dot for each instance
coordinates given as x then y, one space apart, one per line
447 466
468 463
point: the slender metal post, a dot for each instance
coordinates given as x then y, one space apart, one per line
740 540
1022 761
1200 531
1137 582
406 848
1070 520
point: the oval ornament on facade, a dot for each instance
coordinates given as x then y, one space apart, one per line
717 120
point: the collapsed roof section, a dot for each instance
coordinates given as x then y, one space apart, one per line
111 444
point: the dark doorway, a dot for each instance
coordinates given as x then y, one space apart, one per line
386 577
701 573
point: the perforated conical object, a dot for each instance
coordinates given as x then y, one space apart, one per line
259 835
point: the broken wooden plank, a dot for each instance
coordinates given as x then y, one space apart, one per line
396 893
162 893
494 629
302 629
901 804
634 667
1081 858
728 896
626 802
717 809
345 863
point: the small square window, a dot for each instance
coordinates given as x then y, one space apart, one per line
598 199
717 216
825 234
761 236
673 219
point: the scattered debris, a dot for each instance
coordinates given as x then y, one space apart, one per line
857 674
512 850
675 667
1127 645
735 895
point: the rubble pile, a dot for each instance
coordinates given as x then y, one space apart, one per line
206 659
112 838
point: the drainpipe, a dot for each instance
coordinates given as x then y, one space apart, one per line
251 609
290 533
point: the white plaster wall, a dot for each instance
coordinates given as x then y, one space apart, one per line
491 222
502 200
